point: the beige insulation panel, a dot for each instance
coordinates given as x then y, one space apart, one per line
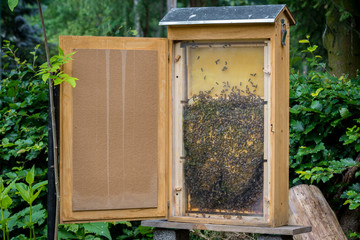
113 127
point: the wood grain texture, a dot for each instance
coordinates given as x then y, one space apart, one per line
308 206
221 32
69 44
280 120
284 230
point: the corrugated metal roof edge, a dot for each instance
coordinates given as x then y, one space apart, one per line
265 20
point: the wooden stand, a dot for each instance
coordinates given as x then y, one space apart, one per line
180 231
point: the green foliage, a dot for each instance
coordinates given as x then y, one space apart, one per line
135 231
354 235
5 202
322 145
12 4
101 18
54 70
85 231
23 112
101 230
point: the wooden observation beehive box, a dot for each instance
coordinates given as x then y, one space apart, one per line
192 128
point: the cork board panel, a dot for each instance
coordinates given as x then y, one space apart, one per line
115 121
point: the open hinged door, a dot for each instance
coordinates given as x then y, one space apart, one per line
113 129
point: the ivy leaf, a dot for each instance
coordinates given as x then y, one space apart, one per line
99 228
12 4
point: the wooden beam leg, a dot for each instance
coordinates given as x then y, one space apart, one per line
269 237
170 234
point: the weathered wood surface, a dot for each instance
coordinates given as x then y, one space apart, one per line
307 206
284 230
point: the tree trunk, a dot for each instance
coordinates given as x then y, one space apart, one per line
171 4
342 37
307 206
137 18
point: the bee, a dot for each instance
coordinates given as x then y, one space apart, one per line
224 69
202 69
217 61
225 62
253 74
198 57
217 83
205 77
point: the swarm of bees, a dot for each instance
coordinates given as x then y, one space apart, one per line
224 143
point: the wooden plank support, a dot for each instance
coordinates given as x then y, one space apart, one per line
288 230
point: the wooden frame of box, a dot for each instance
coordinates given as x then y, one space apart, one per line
163 204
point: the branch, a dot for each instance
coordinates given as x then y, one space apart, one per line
53 126
348 177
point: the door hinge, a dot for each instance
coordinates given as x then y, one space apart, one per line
168 204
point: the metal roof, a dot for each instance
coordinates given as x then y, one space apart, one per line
225 15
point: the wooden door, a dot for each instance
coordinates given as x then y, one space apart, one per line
113 129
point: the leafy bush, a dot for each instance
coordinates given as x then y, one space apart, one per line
325 131
23 129
23 143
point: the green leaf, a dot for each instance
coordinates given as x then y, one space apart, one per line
315 94
12 4
348 162
7 189
74 228
21 151
63 234
71 81
316 105
33 197
45 77
5 202
312 48
30 176
344 112
127 223
40 184
355 187
304 41
145 230
61 52
24 191
99 228
297 126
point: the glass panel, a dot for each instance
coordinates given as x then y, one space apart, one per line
223 126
